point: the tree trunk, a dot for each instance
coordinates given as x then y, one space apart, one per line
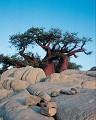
64 64
49 69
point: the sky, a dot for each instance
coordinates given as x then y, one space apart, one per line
69 15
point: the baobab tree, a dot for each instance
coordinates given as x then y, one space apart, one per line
58 46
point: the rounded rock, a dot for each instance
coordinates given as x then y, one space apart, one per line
32 100
44 97
55 93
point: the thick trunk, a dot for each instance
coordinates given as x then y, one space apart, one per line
17 64
64 64
28 58
49 69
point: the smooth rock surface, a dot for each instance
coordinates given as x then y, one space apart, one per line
76 107
19 85
8 73
32 100
4 93
78 104
16 111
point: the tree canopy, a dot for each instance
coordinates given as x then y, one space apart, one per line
59 47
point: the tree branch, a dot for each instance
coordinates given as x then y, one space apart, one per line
88 53
79 50
41 45
75 55
84 42
27 58
56 44
73 47
49 43
75 51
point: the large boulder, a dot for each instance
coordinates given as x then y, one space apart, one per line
89 84
4 93
15 111
71 76
49 87
6 83
80 106
21 71
14 84
49 110
19 104
32 100
34 75
19 96
19 85
91 73
28 73
8 73
71 72
55 77
44 97
77 78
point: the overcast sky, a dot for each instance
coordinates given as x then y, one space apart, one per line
69 15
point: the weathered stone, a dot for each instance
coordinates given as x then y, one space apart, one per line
7 73
35 75
35 108
6 83
67 92
1 85
70 71
49 87
4 93
76 90
37 92
89 84
70 106
65 78
71 76
15 111
21 71
79 78
54 93
20 96
51 105
44 97
53 78
34 90
32 100
70 91
41 104
50 109
76 107
19 85
1 118
91 73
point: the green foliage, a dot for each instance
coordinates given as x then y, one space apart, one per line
39 36
74 66
54 42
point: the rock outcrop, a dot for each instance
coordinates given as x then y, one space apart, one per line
82 78
17 79
80 106
27 94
